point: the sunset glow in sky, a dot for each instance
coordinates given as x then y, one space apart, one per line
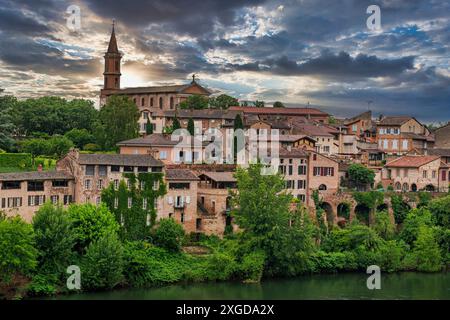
294 51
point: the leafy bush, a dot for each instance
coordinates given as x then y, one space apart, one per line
91 147
17 251
168 234
426 251
251 268
383 225
333 261
102 265
90 222
54 239
441 211
43 285
221 266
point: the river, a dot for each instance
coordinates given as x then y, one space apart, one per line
324 286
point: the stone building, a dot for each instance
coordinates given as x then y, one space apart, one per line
94 172
399 135
23 193
214 201
416 173
180 202
442 137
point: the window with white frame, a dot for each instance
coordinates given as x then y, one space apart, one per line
87 184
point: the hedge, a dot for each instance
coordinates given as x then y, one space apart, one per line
22 160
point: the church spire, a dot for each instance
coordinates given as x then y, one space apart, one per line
112 63
112 47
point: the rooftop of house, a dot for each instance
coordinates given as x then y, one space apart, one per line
416 136
292 153
280 111
157 140
181 174
394 120
411 161
119 160
314 130
363 116
220 176
36 175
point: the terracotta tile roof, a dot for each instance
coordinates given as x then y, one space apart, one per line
180 174
159 89
281 111
155 139
394 120
416 136
411 161
120 160
220 176
363 116
36 175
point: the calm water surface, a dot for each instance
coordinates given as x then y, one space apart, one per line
336 286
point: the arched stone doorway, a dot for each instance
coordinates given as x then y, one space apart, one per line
362 213
414 187
343 213
430 188
322 187
405 187
329 212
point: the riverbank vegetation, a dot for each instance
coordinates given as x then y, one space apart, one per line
274 241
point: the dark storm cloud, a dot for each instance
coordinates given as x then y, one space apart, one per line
340 65
181 16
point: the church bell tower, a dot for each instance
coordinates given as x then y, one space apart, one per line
112 64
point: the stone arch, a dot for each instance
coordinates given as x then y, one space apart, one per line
322 187
398 186
362 213
414 187
383 207
343 211
430 188
405 187
328 208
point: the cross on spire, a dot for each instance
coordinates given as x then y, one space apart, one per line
193 77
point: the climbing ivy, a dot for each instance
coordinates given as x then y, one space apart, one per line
137 216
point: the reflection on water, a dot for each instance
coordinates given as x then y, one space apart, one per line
336 286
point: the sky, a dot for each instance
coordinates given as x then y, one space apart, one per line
299 52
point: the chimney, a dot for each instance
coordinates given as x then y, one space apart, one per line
39 168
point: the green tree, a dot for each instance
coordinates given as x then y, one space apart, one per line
80 137
149 127
238 124
426 251
54 239
195 101
59 146
118 121
383 225
168 235
175 124
262 211
7 126
415 219
399 207
278 104
223 101
440 208
361 176
35 147
102 265
191 127
90 222
17 252
259 104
